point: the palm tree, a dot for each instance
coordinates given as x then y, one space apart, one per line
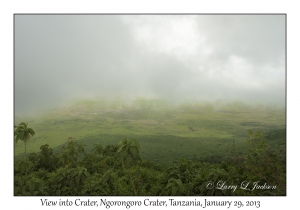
23 133
98 149
175 187
70 152
128 151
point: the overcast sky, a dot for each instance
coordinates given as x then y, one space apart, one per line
176 57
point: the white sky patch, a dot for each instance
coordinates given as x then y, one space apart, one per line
240 71
175 35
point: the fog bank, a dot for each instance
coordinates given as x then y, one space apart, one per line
173 57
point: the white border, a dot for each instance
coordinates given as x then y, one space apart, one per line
8 8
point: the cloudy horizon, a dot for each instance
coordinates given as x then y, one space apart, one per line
176 57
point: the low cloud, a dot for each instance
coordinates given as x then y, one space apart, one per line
182 57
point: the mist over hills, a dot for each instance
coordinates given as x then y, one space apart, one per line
180 58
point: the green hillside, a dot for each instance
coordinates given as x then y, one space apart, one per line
192 131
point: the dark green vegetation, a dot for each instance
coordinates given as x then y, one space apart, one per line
164 150
119 170
23 133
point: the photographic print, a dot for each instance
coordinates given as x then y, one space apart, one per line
149 105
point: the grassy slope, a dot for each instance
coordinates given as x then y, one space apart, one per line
164 132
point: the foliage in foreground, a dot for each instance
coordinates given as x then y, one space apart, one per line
118 170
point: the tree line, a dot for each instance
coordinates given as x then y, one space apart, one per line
119 170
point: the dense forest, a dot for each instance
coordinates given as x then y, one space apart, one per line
119 170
